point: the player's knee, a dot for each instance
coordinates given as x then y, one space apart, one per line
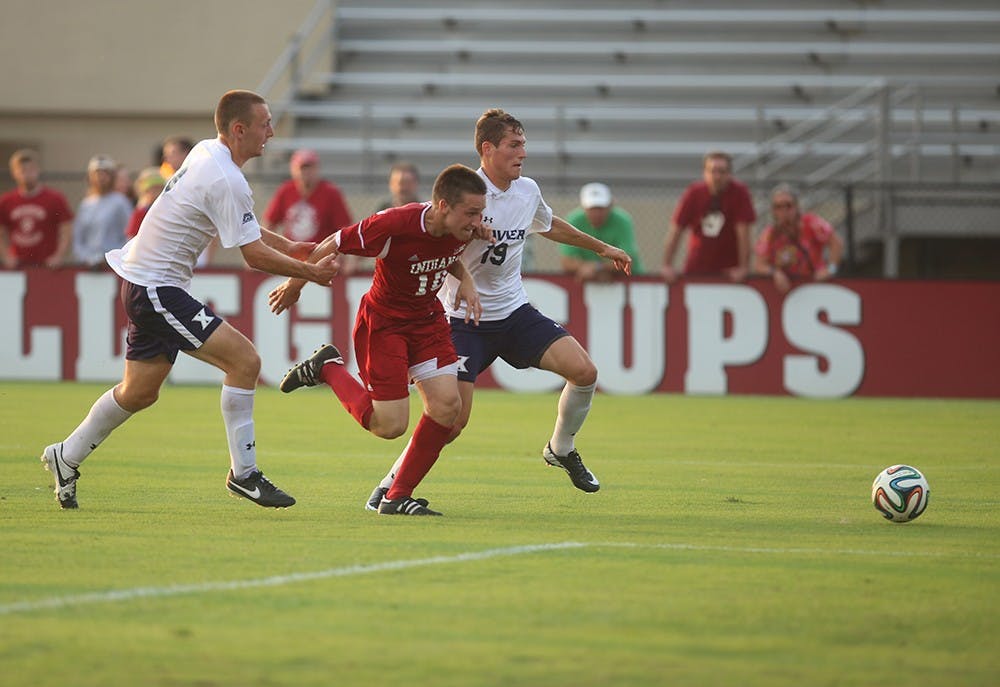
583 374
392 428
246 369
133 400
445 411
252 364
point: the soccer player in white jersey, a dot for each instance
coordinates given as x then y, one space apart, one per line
207 197
510 327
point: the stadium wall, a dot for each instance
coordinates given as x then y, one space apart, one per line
831 340
112 77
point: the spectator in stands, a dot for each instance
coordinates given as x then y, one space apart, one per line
124 184
404 186
148 187
598 216
718 213
793 247
173 152
36 222
308 207
102 215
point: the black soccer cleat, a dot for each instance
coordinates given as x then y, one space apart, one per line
405 506
307 373
582 478
65 476
258 489
378 494
376 498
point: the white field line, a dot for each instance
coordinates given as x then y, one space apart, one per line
276 581
294 578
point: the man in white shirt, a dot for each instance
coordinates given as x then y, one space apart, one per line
510 327
207 197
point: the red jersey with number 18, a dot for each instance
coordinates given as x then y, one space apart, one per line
410 265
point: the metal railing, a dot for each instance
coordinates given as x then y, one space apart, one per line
313 41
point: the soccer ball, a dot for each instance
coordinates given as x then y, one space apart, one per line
900 493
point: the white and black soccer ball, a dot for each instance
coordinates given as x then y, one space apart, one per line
900 493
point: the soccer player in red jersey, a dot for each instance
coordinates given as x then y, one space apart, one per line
401 334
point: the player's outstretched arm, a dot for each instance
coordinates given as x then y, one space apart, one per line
286 295
564 232
299 250
260 256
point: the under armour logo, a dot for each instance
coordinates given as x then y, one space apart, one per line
462 359
251 445
203 318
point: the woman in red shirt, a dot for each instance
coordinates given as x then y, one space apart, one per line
793 246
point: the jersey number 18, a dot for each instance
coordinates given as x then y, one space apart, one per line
436 284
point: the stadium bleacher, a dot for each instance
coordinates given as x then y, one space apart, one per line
821 92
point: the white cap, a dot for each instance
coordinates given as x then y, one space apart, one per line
595 195
102 162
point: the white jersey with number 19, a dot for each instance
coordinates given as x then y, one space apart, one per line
513 215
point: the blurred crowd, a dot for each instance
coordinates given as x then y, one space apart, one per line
713 220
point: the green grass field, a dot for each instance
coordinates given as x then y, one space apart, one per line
732 543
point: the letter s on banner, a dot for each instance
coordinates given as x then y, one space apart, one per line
805 330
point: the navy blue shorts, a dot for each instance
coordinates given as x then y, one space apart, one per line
520 340
165 320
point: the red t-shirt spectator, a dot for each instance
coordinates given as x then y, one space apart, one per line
311 219
712 244
32 223
135 221
796 256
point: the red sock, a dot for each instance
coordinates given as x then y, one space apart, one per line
421 453
349 391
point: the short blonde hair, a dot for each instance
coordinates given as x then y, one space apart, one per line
236 106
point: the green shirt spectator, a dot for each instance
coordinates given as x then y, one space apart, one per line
599 217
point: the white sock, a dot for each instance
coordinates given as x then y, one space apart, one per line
574 404
391 475
104 416
237 414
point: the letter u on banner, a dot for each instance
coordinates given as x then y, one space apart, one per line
606 339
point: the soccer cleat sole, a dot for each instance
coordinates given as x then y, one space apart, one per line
244 497
407 506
